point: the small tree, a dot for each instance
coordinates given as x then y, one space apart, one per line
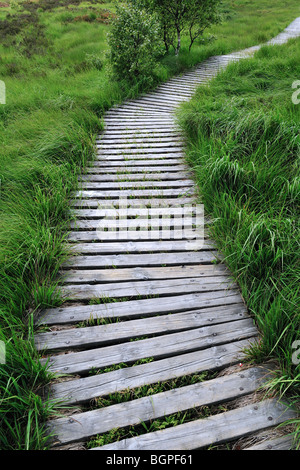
178 16
135 43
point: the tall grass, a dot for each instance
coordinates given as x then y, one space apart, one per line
244 145
58 87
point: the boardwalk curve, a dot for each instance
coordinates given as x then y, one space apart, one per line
134 294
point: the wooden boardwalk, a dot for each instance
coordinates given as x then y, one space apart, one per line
144 294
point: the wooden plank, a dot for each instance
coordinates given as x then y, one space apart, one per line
142 212
130 289
110 171
171 156
280 443
119 147
142 308
134 177
175 92
140 121
131 140
139 235
136 184
167 150
135 193
133 274
130 163
104 335
144 127
140 132
213 358
154 259
83 426
163 225
215 430
137 203
158 347
139 247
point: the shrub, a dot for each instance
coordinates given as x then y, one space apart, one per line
135 44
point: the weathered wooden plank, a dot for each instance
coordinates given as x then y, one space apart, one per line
140 247
142 308
280 443
83 426
136 184
126 156
166 222
143 212
141 177
146 288
95 276
140 132
158 347
130 163
160 150
104 335
131 203
143 121
167 259
110 171
134 193
213 358
216 429
139 111
144 127
131 140
139 235
138 146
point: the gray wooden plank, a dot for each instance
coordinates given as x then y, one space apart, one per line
83 426
143 127
139 235
133 274
146 288
109 171
139 247
214 358
141 177
131 203
280 443
136 184
134 193
120 147
104 335
167 259
172 150
132 140
215 430
158 347
166 222
140 132
143 212
128 164
142 307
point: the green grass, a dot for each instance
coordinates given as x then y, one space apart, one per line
58 86
243 133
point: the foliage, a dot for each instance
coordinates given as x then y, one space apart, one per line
178 16
135 44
